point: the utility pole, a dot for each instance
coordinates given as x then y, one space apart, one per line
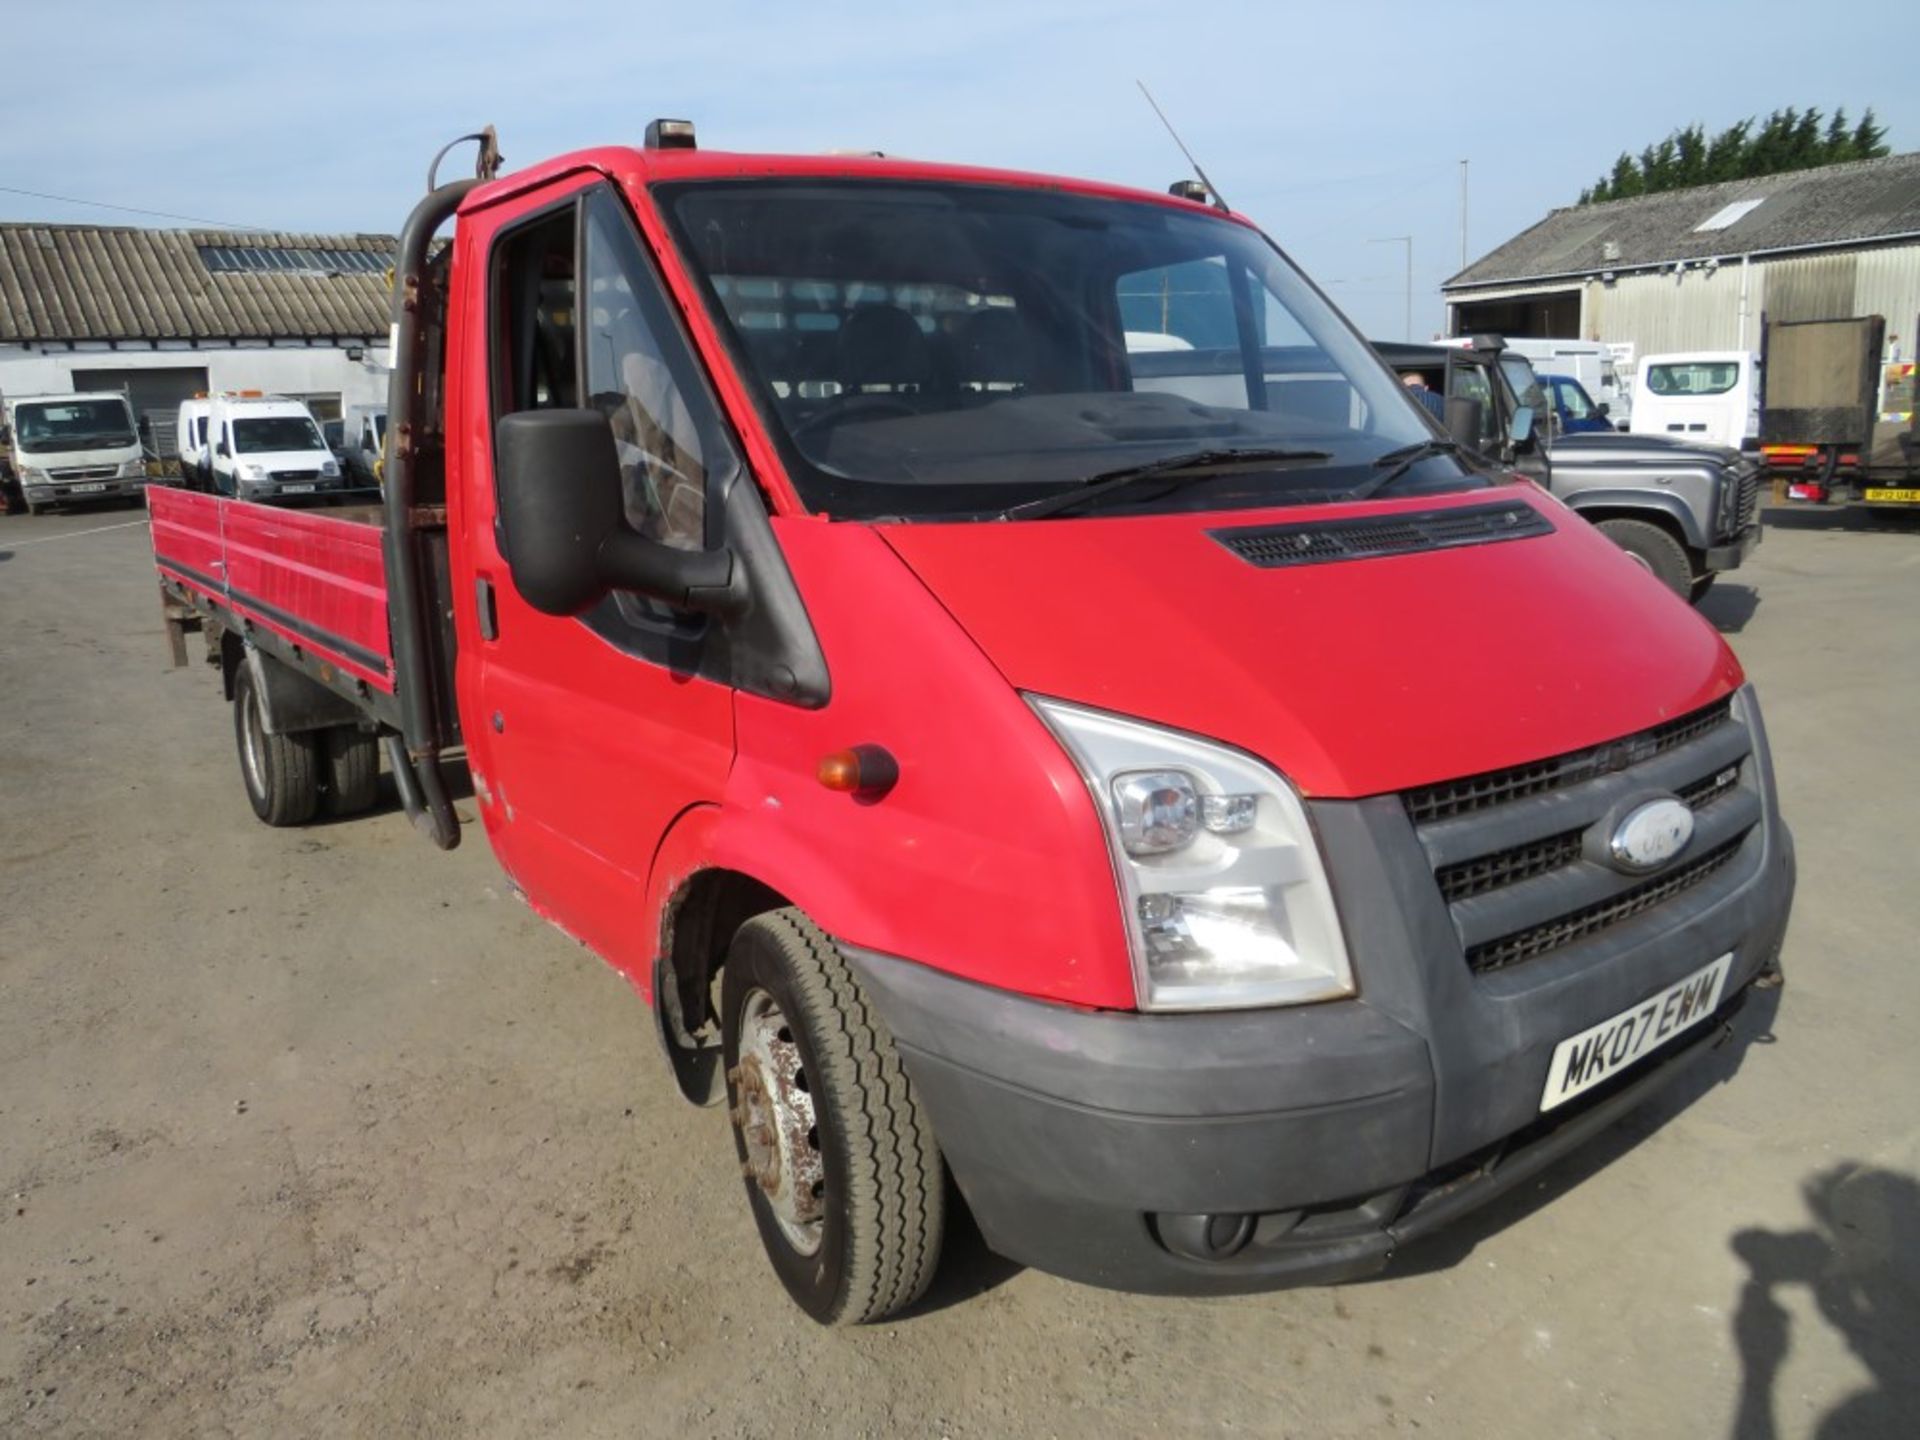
1406 240
1463 214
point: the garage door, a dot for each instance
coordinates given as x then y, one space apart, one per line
154 394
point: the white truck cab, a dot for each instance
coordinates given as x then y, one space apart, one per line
1707 397
1588 361
193 442
74 447
267 447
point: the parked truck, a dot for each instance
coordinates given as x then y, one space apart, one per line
1686 512
1838 416
78 447
1232 837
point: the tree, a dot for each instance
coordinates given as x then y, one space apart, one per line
1788 139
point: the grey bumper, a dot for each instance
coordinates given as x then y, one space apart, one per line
1111 1148
52 493
1730 556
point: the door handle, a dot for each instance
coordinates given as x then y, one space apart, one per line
489 611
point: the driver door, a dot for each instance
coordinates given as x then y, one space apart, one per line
590 734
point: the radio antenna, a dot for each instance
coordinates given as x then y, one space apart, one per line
1219 200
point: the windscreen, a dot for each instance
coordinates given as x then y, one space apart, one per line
72 425
260 433
946 351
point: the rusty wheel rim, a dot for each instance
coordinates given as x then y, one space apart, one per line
778 1123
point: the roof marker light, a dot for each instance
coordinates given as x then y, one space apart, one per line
670 135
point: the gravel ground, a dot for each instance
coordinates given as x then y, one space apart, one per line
321 1132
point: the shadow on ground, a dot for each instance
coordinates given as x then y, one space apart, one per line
1859 1261
1729 606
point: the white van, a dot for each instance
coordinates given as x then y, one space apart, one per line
1589 362
1709 397
74 447
266 447
191 440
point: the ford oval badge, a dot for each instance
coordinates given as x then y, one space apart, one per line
1651 834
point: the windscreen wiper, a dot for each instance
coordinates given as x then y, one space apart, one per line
1173 470
1396 463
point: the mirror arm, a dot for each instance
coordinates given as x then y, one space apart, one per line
711 581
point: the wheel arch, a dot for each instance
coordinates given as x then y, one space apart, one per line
1669 512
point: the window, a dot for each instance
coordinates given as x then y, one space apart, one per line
631 348
1471 382
606 338
1183 338
534 364
263 434
947 351
73 424
1699 377
1572 399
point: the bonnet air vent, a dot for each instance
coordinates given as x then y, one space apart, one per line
1315 542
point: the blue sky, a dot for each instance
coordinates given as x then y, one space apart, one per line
1333 125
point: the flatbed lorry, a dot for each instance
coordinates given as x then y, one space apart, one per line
1169 787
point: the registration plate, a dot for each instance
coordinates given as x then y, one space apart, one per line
296 489
1895 497
1582 1061
91 488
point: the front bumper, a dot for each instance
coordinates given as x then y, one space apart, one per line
1731 555
1238 1151
53 492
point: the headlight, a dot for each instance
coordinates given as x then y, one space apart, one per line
1226 902
133 468
327 467
251 472
34 474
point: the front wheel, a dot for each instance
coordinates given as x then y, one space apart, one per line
839 1158
1655 551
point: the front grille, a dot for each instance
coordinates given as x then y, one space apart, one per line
1522 857
88 472
1459 797
1314 543
296 474
1540 939
1506 867
1744 502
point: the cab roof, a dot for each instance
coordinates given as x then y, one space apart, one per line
650 167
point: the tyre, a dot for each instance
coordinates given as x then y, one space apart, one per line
838 1156
281 772
350 775
1656 550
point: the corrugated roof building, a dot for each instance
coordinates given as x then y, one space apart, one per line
1703 269
165 314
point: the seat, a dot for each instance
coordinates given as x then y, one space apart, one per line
882 346
995 350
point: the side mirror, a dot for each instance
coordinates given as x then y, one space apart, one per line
1464 416
1603 409
564 531
1522 430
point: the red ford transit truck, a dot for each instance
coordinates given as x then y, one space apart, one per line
1022 691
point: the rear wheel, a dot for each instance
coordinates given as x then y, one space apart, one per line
281 772
841 1167
1662 556
351 773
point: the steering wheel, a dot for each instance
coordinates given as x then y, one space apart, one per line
845 407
